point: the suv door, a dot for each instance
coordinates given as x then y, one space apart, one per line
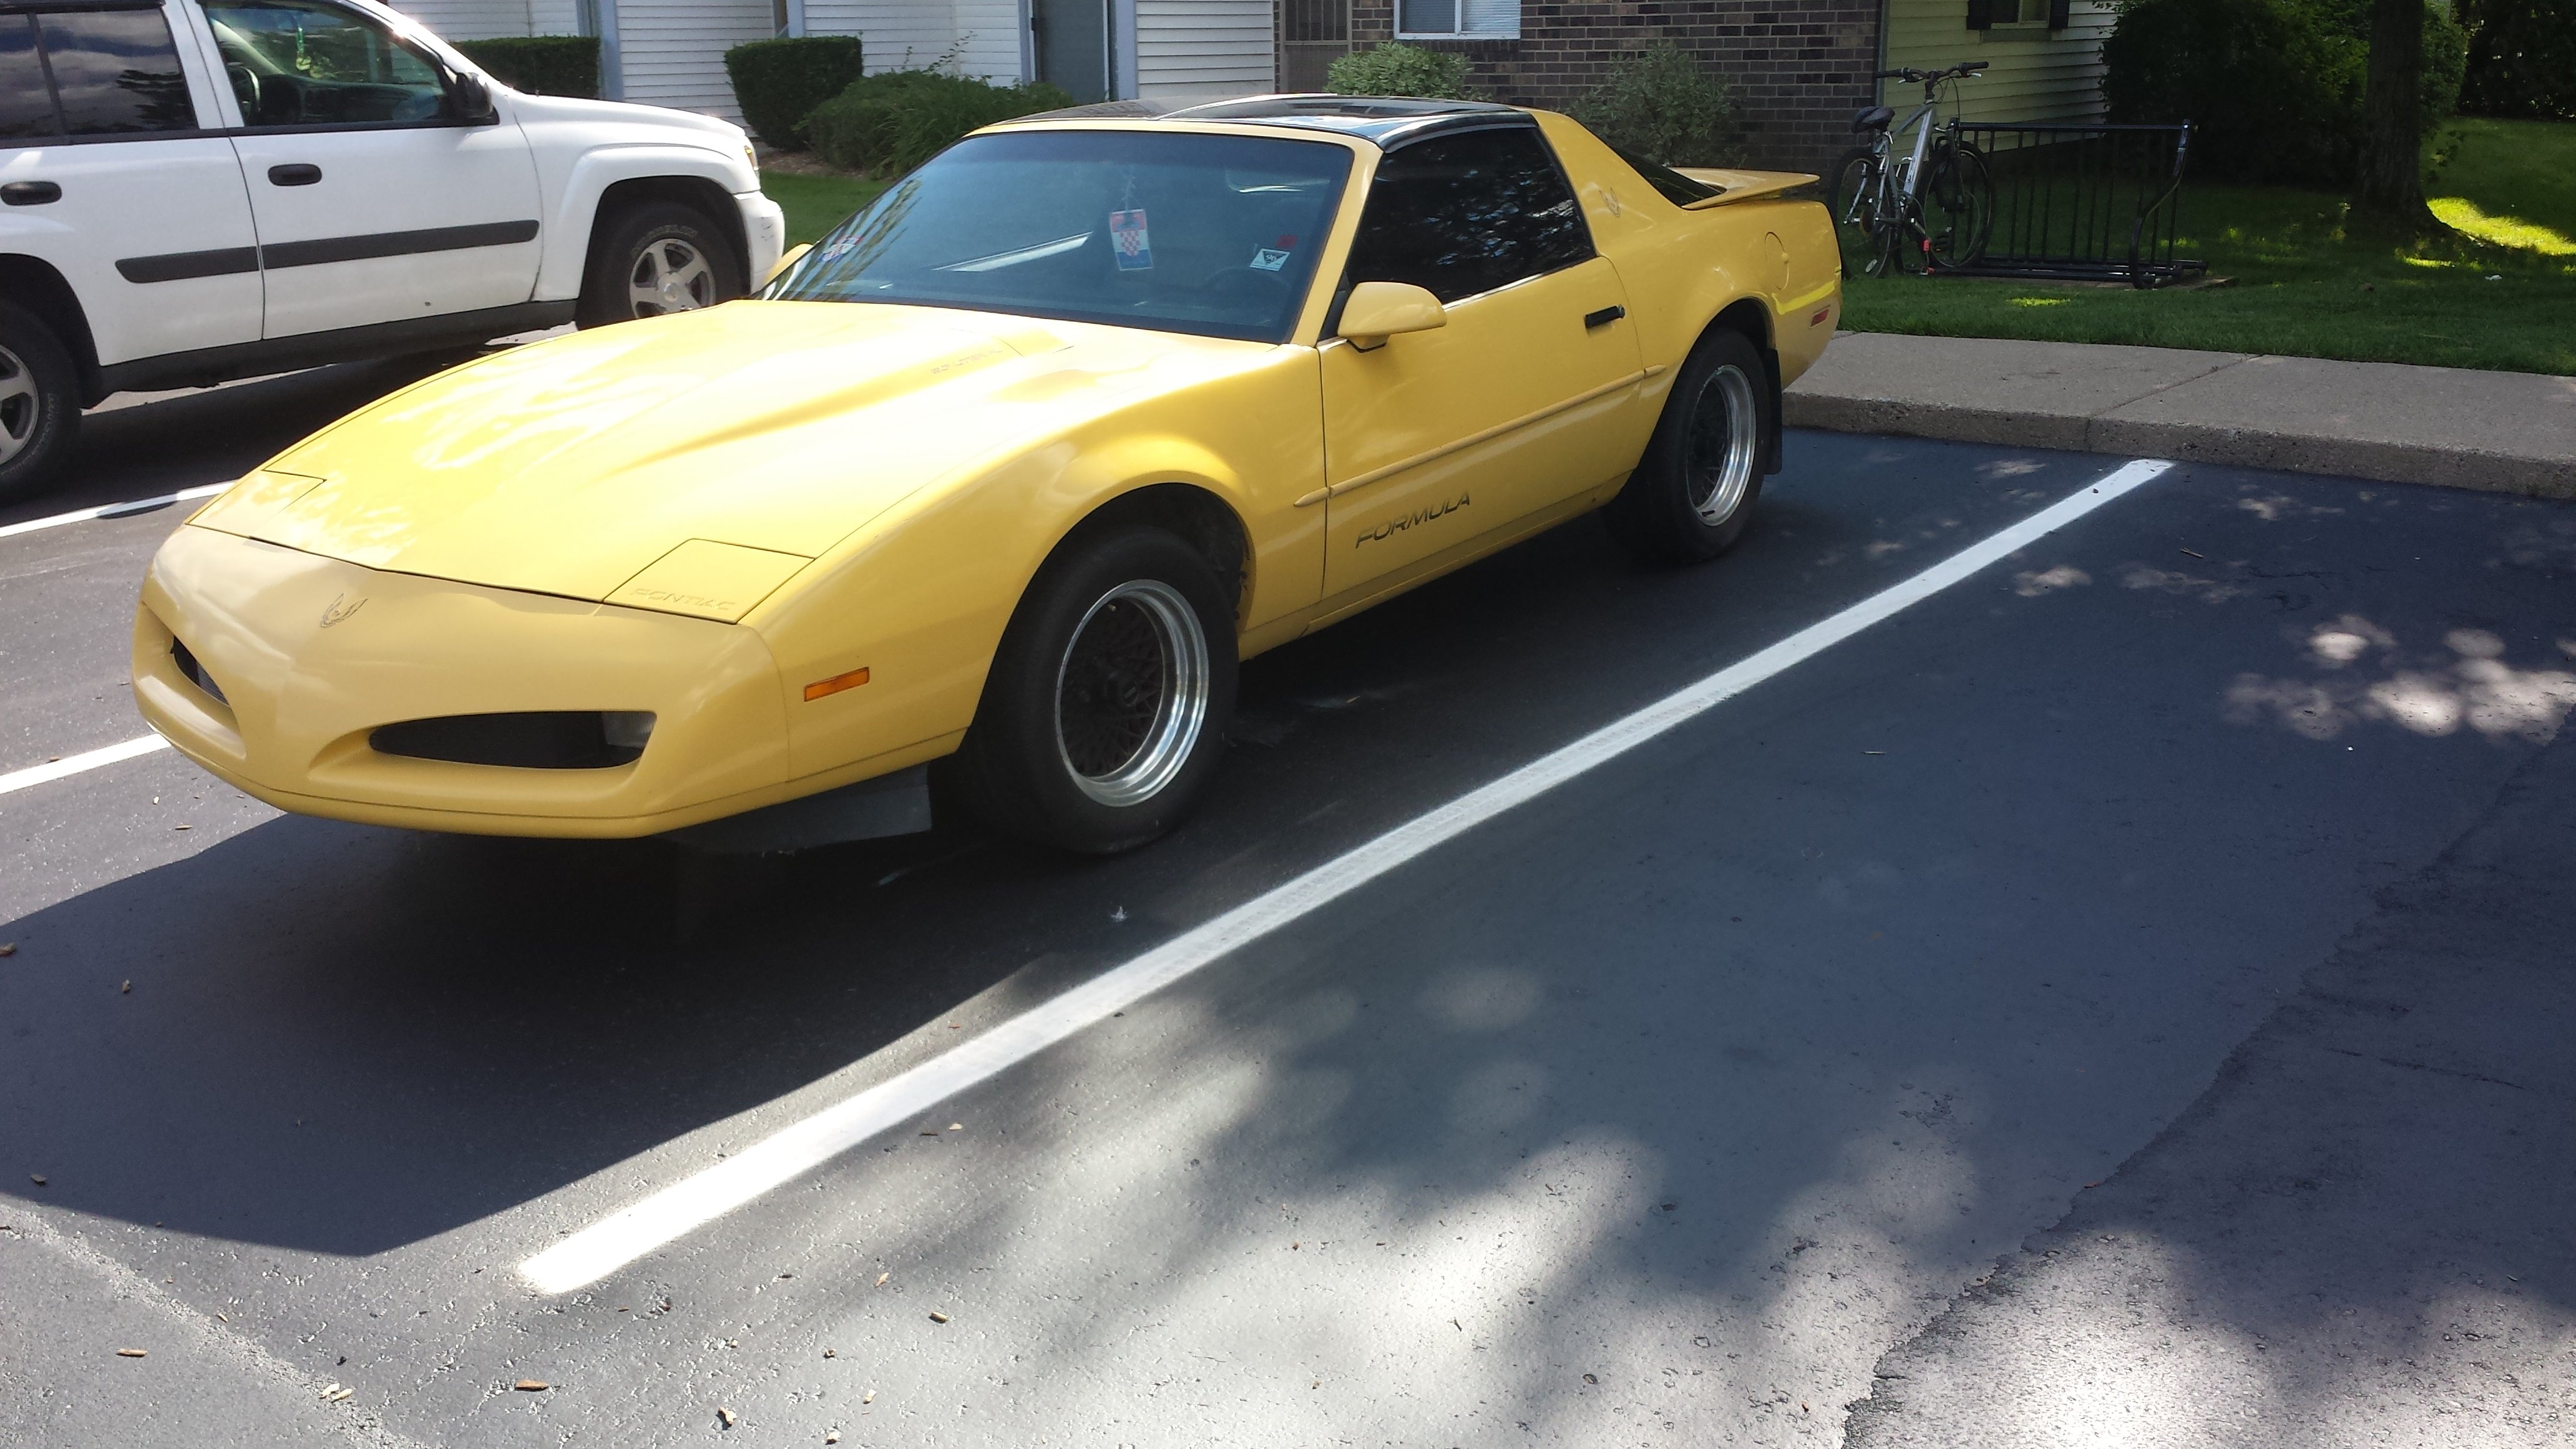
374 202
1520 401
110 172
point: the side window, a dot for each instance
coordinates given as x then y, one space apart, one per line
1468 213
111 71
305 63
116 70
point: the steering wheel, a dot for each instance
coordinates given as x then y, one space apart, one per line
245 90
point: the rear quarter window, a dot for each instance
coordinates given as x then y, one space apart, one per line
90 73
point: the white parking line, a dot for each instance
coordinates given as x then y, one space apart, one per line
596 1251
113 510
17 780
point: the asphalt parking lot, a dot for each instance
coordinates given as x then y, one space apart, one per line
1669 1107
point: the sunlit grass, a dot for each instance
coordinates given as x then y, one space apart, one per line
2464 216
2497 293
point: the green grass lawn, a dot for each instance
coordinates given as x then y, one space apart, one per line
2500 295
816 204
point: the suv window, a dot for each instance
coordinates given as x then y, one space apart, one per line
111 71
305 63
1468 213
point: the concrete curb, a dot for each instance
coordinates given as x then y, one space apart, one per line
2296 415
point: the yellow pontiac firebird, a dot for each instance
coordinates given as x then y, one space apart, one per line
1006 473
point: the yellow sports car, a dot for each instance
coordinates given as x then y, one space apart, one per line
1008 473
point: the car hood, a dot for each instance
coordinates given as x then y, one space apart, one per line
650 462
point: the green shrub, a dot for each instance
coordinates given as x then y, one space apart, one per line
2522 58
779 82
892 122
1401 70
1659 104
539 65
2272 88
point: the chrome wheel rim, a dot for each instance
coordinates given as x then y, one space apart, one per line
671 275
1131 693
21 406
1723 443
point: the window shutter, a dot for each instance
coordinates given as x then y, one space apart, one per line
1981 14
2059 12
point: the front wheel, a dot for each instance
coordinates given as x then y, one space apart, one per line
1958 206
39 401
1693 493
654 259
1108 698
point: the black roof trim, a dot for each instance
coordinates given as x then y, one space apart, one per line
1384 120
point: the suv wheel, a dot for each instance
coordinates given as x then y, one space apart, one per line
656 258
39 401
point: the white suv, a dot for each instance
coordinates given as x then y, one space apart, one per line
198 190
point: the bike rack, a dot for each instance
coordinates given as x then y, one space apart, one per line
2082 203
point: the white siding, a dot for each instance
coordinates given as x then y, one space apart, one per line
1196 48
893 34
673 50
990 30
2037 75
473 19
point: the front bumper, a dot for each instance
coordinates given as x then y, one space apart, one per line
312 655
764 233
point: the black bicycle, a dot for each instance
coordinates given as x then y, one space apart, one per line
1930 208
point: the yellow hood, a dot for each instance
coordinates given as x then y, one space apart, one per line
616 461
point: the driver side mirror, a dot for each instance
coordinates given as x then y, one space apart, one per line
1376 311
469 100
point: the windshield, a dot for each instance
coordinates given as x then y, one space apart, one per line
1215 235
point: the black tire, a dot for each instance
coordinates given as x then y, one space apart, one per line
1072 746
1958 205
1710 443
1854 210
668 238
40 405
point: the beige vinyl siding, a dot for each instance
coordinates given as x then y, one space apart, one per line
672 51
1191 48
2034 75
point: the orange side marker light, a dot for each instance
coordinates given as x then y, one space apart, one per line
835 684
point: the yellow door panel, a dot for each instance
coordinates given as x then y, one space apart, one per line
1441 436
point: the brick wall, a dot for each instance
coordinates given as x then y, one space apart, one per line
1799 67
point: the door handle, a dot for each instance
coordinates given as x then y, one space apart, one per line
1603 318
30 193
296 173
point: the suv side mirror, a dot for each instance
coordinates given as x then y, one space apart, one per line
1376 311
469 100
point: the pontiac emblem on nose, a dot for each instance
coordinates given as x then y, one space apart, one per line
340 610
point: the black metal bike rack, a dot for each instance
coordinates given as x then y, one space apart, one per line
2082 203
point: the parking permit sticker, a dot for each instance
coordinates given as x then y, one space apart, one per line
1128 241
1274 256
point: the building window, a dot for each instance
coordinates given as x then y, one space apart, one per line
2021 12
1458 19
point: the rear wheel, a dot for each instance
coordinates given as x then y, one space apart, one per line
1854 199
1693 493
39 402
1108 698
656 258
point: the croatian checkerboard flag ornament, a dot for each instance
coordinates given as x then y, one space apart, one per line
1127 239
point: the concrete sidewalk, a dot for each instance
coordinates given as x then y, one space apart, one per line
2508 432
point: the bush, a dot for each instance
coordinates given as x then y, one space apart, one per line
539 65
778 83
2522 58
1659 104
1400 70
893 122
2273 88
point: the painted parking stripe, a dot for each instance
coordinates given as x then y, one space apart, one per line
596 1251
113 510
17 780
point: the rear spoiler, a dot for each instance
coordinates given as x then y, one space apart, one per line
1735 186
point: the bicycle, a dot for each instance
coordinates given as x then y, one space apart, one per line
1932 208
